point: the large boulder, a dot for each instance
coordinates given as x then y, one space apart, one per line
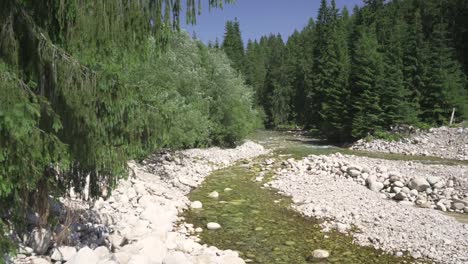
63 253
40 240
84 255
419 184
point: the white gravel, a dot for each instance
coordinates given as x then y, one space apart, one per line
319 188
449 143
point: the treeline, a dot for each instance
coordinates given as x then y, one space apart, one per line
86 86
401 62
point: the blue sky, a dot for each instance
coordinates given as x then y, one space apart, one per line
259 17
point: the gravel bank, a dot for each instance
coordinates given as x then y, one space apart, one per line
448 143
137 224
323 187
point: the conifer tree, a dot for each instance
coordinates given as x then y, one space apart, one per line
446 83
366 76
233 45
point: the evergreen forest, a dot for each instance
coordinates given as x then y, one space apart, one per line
401 62
86 86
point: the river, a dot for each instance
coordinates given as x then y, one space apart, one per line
260 224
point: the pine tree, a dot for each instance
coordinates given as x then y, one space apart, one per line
414 61
395 96
446 83
366 76
233 45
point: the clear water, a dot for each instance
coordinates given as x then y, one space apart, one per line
260 224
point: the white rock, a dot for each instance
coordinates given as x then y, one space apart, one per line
36 260
433 180
153 248
353 173
213 226
198 229
40 240
102 252
231 260
214 194
116 240
176 258
196 205
63 253
84 255
420 184
376 186
320 254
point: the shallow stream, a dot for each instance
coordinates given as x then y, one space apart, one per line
260 224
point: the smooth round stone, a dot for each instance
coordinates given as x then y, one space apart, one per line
198 229
196 205
213 226
227 189
320 254
214 194
258 228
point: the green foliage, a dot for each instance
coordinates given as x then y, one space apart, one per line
85 87
384 135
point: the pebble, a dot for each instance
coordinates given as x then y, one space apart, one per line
196 205
320 254
213 226
214 194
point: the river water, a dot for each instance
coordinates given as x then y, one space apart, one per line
260 224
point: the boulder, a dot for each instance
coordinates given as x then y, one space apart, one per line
63 253
231 260
84 255
353 173
376 186
400 196
40 240
36 260
419 184
176 258
458 206
439 185
433 180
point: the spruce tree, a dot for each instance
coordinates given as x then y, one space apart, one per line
396 102
366 77
233 45
446 83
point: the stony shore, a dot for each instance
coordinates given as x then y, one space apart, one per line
383 200
139 223
443 142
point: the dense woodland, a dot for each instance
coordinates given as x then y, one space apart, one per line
86 86
401 62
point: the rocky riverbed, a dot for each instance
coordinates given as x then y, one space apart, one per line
448 143
382 200
139 223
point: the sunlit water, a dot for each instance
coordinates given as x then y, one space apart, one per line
261 225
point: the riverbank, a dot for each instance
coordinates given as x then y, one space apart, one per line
138 223
443 142
337 188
